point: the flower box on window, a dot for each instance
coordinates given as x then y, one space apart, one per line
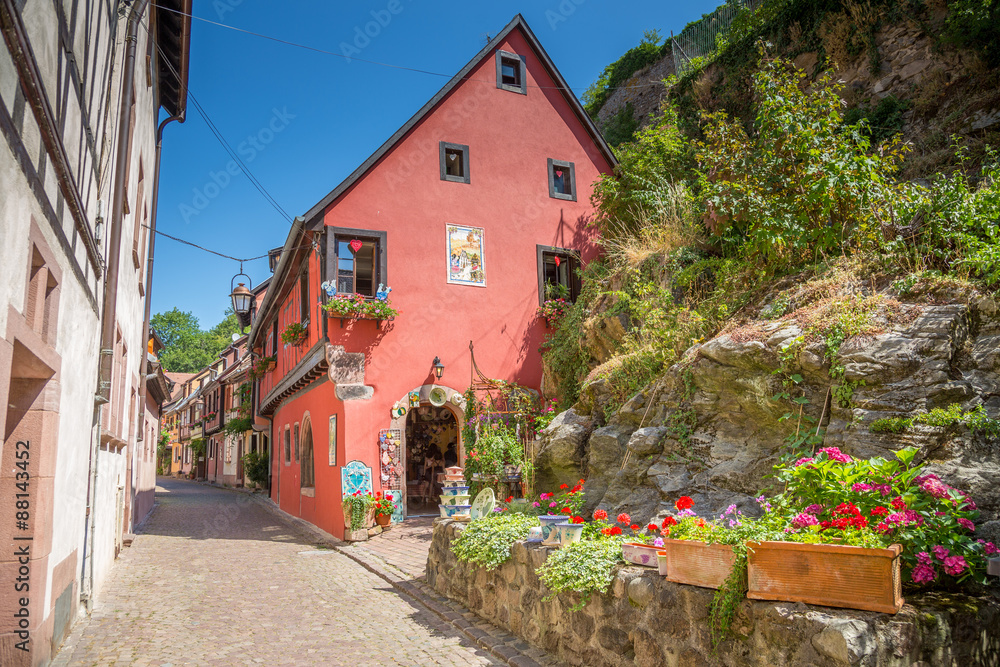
831 575
357 307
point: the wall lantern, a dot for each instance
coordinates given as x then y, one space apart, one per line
438 367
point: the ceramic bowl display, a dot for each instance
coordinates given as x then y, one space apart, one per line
456 490
452 510
569 533
534 534
454 483
549 534
453 470
455 500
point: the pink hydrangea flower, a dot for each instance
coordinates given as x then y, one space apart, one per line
804 460
940 552
804 519
834 454
965 523
861 486
954 565
969 505
913 517
884 489
814 509
924 558
923 574
935 487
989 548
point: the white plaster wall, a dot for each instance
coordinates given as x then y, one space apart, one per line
110 479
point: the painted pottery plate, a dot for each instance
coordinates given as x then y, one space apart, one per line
438 396
483 504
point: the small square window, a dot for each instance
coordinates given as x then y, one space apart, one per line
454 162
357 265
510 72
562 180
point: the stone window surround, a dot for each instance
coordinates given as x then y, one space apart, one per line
443 148
571 167
507 55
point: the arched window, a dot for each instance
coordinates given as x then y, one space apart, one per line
308 464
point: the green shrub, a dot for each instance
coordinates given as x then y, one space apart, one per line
621 127
890 425
487 542
255 466
975 24
585 567
648 51
881 121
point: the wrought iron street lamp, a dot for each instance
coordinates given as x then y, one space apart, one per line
438 367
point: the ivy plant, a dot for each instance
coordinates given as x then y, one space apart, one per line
585 567
487 542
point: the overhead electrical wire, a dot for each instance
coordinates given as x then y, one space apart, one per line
370 62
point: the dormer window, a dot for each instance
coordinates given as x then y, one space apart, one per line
510 73
454 162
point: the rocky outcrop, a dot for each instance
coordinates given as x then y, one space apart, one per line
561 445
713 430
645 620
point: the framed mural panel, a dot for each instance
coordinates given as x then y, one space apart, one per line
465 256
333 440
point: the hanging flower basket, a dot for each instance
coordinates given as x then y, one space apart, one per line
831 575
294 334
698 563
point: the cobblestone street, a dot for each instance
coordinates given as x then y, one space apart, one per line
217 578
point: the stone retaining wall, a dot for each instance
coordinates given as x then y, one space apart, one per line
646 620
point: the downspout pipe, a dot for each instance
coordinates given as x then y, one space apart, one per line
110 303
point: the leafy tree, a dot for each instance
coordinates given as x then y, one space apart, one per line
186 348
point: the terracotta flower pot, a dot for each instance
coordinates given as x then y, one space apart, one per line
383 519
698 563
832 575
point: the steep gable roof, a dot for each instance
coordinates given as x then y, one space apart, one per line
517 22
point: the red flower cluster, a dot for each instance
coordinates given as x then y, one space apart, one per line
652 527
849 516
624 518
576 519
879 511
611 530
669 521
683 503
600 515
897 503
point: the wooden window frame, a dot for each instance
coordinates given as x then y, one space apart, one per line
564 253
333 233
444 148
552 164
522 87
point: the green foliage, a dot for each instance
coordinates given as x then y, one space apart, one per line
585 567
890 425
357 306
975 24
621 127
237 426
255 465
487 542
659 156
881 121
496 446
198 448
186 348
801 185
648 51
357 506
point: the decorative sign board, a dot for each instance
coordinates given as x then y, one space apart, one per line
466 260
396 496
356 476
390 452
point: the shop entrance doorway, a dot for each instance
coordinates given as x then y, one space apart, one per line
431 446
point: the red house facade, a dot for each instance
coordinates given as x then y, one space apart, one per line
470 212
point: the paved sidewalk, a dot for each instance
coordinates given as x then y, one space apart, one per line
218 578
404 546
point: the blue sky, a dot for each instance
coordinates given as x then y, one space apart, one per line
302 121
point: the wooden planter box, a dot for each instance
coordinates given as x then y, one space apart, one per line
831 575
698 563
640 554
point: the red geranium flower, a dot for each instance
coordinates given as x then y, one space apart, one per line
575 488
576 519
615 530
665 532
683 503
605 531
651 527
634 526
897 503
879 511
582 481
669 521
564 486
509 498
566 510
600 515
624 518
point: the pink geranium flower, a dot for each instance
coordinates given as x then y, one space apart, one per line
923 574
804 519
954 565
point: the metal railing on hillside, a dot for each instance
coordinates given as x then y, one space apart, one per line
701 39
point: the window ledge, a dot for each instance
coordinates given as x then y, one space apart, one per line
309 491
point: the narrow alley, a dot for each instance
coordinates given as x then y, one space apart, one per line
217 578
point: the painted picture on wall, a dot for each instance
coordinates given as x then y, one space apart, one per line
465 256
